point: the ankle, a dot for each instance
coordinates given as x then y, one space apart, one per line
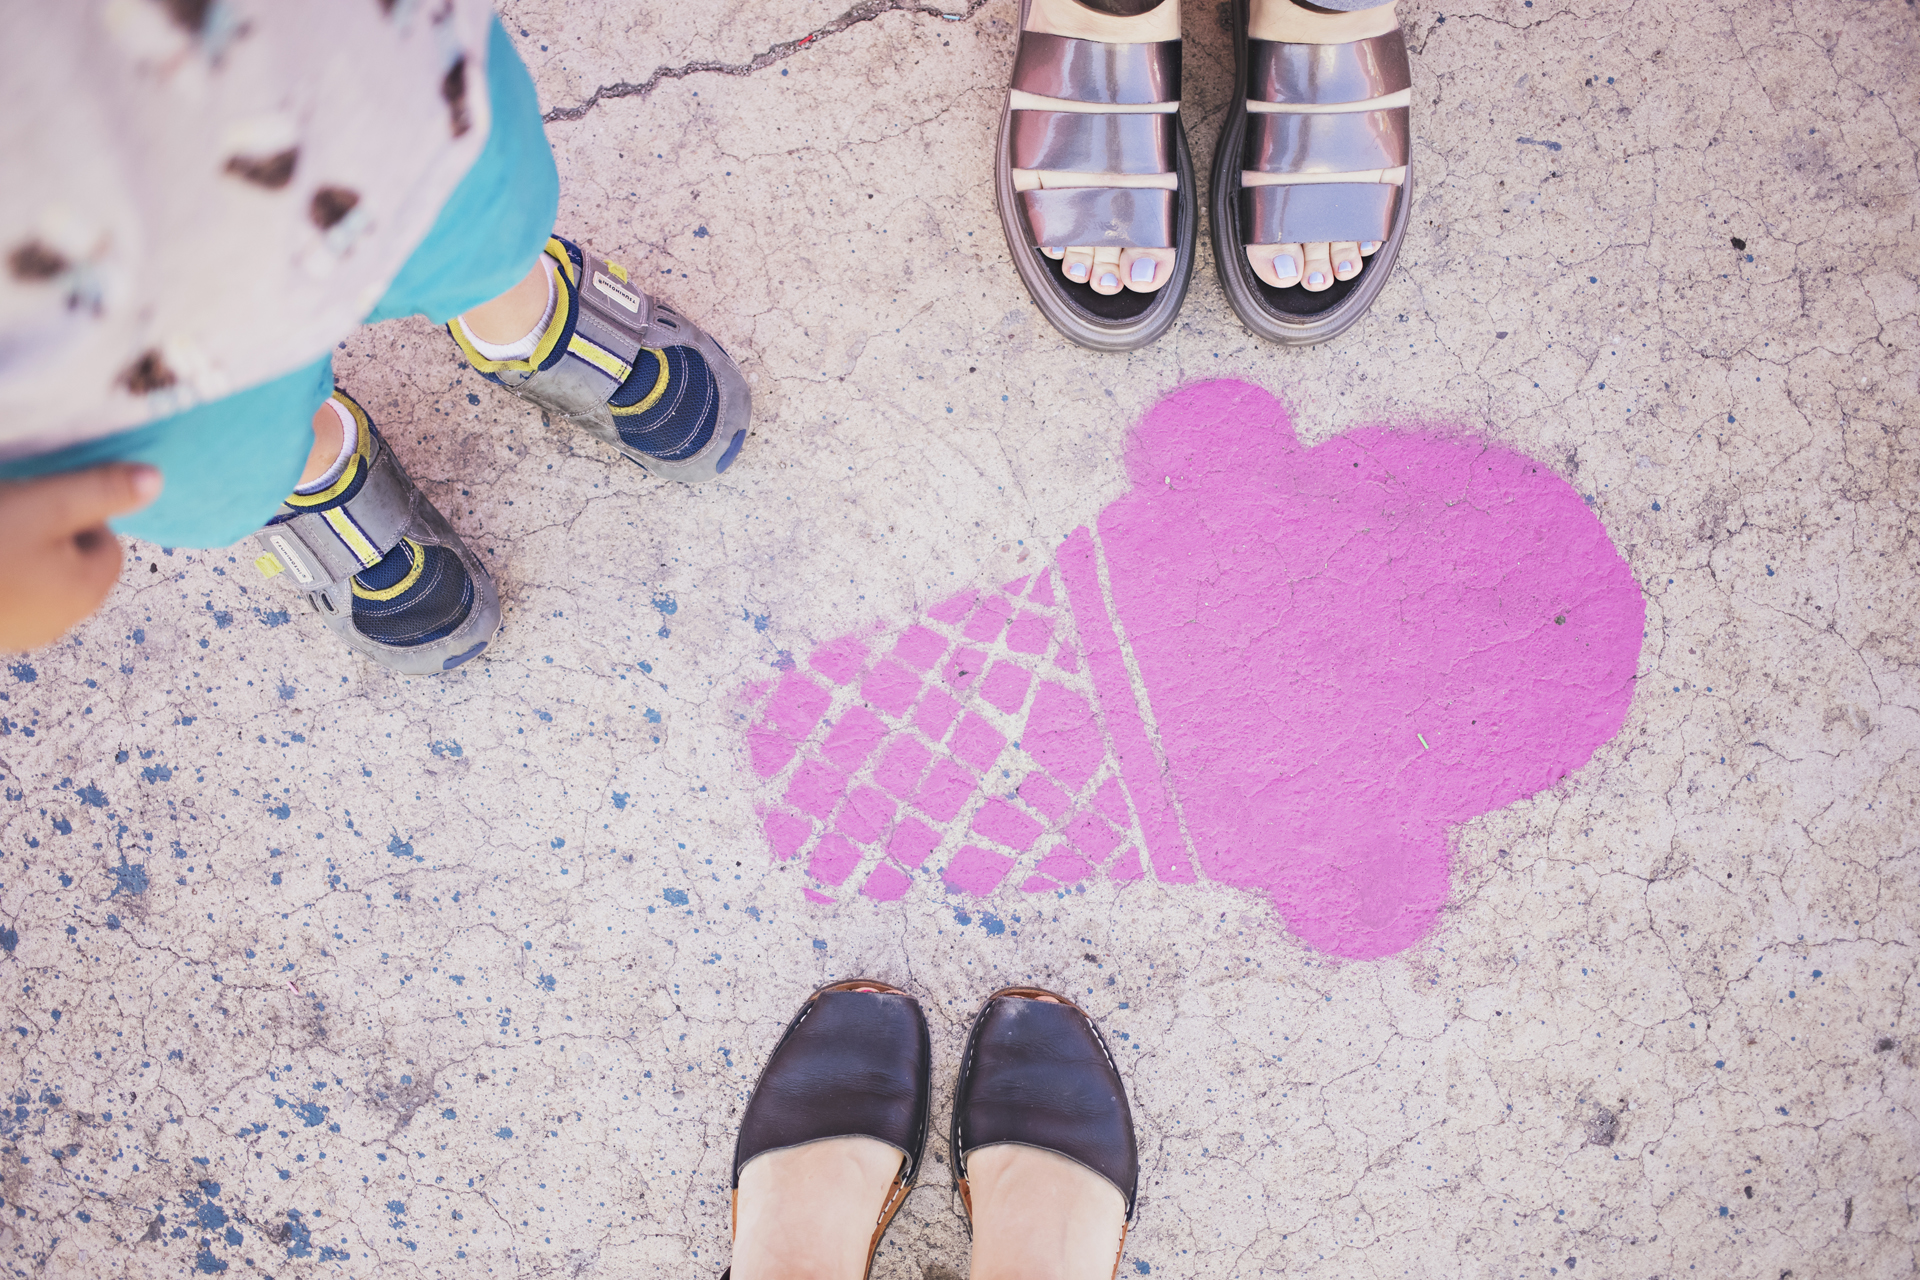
335 436
516 318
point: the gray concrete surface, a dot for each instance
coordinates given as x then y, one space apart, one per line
313 970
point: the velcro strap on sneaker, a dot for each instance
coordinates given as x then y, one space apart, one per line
321 548
1089 142
1325 142
1130 75
1328 73
1316 212
1129 217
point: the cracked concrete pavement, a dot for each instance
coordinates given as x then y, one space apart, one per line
315 970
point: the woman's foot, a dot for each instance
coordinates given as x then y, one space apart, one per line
808 1213
1315 267
1042 1142
833 1135
1040 1216
1103 269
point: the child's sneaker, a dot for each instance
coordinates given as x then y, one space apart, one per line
630 370
382 567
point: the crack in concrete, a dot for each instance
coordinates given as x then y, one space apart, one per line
864 12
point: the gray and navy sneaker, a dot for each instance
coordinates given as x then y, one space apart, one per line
630 370
382 567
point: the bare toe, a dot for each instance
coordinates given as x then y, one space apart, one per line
1145 270
1346 259
1055 253
1106 270
1369 247
1318 267
1078 263
1276 264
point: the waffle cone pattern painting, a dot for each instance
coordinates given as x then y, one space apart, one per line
1277 668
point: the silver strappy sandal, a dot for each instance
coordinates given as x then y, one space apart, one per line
1369 136
1094 141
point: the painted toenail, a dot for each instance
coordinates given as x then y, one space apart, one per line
1316 278
1056 249
1142 271
1109 281
1285 267
1078 271
1369 246
1346 266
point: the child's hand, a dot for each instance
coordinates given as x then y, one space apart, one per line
58 559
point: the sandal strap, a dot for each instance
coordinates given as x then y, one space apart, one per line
584 359
1130 217
1037 1074
1322 74
1317 212
1325 142
852 1063
1090 142
324 548
1093 71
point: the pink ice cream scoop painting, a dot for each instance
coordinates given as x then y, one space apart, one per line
1284 669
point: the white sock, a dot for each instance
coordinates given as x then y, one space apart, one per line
524 347
349 441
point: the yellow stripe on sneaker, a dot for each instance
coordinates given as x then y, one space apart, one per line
362 458
599 357
413 576
557 250
653 396
349 532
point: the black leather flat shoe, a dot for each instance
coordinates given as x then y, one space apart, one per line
1039 1075
856 1061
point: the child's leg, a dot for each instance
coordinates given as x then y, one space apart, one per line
516 314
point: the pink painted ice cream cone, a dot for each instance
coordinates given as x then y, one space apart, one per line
1284 669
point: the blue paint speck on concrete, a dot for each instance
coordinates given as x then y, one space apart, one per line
503 1132
312 1114
620 799
675 897
399 848
819 944
281 810
24 672
129 880
92 795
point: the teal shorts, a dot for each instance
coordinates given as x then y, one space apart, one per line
229 463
